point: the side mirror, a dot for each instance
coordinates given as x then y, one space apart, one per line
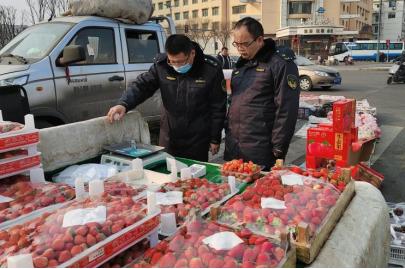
72 54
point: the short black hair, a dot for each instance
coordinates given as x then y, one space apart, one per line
176 44
254 27
224 48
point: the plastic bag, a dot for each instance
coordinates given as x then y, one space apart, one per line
26 197
52 244
87 172
309 202
137 11
187 249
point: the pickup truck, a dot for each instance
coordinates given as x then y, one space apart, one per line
75 68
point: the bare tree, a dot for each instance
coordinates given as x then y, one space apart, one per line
223 33
199 35
37 9
8 27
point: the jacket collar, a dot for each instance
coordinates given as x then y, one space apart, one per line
263 55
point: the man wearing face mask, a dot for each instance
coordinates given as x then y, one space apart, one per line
194 101
264 100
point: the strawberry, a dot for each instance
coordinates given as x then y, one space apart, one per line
182 263
155 258
190 252
76 250
202 249
263 259
91 240
53 263
195 263
58 244
236 252
49 253
79 240
247 264
40 262
64 256
206 257
266 247
167 261
230 264
249 256
216 263
82 230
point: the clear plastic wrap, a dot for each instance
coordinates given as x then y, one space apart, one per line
243 172
278 202
207 244
73 231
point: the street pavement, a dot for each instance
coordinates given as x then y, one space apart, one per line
366 82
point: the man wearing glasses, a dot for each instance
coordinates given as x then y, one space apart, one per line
264 100
194 101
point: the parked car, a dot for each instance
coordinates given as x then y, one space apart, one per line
76 68
313 75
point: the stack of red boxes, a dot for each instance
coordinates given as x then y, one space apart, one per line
333 141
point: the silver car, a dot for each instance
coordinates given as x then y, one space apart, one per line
313 75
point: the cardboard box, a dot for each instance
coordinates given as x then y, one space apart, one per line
344 115
320 142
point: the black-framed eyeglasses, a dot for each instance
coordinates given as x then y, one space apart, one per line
243 44
178 64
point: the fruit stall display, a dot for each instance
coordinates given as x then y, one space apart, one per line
19 197
207 244
198 196
397 229
275 204
83 233
242 171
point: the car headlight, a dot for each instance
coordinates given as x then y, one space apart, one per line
14 81
321 74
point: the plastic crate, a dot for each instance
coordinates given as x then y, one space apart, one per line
397 255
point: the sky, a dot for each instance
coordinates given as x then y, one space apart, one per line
20 5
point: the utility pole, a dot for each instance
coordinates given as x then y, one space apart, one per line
379 32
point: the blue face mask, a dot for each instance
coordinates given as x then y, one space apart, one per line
183 69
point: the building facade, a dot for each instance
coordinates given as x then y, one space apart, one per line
392 24
308 25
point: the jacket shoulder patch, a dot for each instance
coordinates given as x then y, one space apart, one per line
292 81
211 62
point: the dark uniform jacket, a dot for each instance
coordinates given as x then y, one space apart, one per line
194 104
264 107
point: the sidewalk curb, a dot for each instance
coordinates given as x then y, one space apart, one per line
376 68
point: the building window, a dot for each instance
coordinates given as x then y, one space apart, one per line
195 1
205 12
391 15
185 15
177 16
205 26
185 2
204 1
194 26
215 11
215 25
300 8
322 31
392 3
176 3
306 31
160 5
168 4
195 14
239 9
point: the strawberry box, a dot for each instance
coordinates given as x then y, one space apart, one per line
282 201
243 172
15 135
203 244
198 195
344 115
19 161
22 198
83 233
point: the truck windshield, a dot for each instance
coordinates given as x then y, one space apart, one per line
34 43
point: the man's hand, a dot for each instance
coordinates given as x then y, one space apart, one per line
116 113
214 148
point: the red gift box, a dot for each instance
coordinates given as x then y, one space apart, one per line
344 115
